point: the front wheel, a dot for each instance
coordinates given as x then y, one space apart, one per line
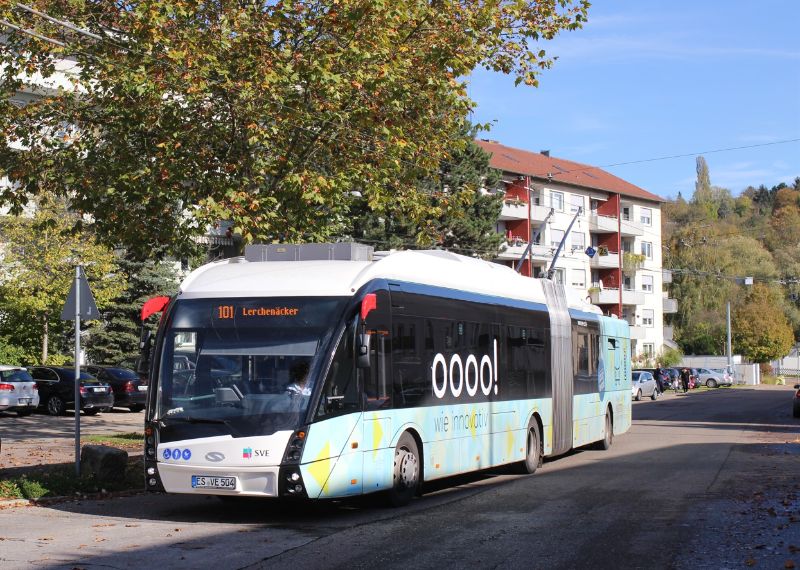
406 471
711 383
638 396
654 395
56 406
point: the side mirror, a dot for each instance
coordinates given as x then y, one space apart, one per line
362 350
145 347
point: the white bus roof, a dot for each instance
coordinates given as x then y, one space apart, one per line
237 277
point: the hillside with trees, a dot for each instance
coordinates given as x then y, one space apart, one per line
715 240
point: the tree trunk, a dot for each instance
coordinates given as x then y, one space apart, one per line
44 339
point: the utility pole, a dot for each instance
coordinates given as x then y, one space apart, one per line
730 352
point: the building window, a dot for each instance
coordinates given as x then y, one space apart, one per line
555 237
578 241
647 317
647 283
575 202
578 278
646 216
557 201
558 276
626 213
626 283
647 249
648 349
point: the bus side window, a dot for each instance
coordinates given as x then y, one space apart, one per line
377 377
340 394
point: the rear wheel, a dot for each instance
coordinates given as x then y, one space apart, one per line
608 437
654 395
711 383
56 406
638 396
406 471
533 457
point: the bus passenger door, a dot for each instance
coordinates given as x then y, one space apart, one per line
376 380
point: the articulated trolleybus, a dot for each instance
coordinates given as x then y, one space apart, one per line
314 371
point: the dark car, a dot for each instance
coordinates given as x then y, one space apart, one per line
129 389
674 374
57 390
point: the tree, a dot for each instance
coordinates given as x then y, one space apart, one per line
760 330
465 216
185 112
116 340
38 270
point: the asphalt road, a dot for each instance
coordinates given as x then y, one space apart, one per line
706 480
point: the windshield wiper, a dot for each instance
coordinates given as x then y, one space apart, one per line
196 420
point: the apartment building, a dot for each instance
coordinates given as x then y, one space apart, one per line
612 253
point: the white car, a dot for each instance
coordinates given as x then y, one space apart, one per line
18 390
643 384
714 377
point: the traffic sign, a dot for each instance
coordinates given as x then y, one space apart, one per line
88 309
590 251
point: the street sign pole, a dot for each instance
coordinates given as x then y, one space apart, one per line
77 371
79 302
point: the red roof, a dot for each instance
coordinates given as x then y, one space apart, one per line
538 165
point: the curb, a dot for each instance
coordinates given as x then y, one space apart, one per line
44 501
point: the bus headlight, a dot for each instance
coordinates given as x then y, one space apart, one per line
294 450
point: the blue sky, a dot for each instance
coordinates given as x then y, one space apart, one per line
650 79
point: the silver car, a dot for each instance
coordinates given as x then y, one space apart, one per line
18 390
714 378
643 385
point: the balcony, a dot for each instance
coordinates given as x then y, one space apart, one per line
638 333
610 296
600 224
514 210
516 247
609 261
668 332
666 276
630 228
670 305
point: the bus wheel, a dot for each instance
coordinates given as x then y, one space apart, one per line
608 438
406 471
533 457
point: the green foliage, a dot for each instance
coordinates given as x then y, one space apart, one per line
263 113
463 217
761 331
38 271
632 261
11 354
116 340
670 357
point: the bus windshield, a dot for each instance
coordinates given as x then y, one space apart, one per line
242 367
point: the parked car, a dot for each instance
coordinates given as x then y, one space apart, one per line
673 374
129 389
796 405
57 390
660 375
643 384
713 378
18 391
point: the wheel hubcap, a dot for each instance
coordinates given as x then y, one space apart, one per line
406 468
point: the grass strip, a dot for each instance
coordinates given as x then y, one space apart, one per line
61 481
